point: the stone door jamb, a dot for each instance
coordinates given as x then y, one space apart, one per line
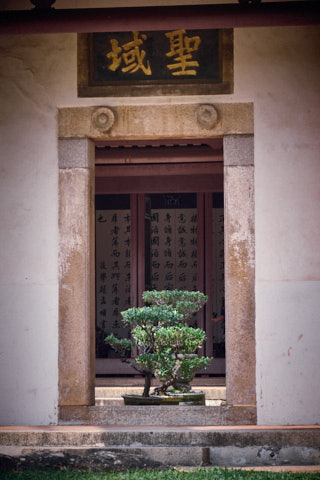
78 129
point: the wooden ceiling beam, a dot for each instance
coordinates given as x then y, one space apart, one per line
157 155
159 170
160 18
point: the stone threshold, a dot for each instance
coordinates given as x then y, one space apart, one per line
158 415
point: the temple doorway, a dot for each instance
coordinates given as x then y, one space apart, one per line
159 213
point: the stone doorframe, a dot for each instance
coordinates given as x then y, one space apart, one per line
78 129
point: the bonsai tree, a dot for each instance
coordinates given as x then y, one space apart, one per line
145 322
177 360
179 343
165 343
187 303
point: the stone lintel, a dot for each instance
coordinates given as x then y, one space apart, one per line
158 121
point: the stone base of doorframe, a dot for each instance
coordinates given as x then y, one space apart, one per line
155 415
79 128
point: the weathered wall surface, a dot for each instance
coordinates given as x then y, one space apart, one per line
279 70
281 75
33 71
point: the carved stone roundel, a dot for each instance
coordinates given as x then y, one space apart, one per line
207 116
103 119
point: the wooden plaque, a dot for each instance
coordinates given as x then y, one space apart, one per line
148 63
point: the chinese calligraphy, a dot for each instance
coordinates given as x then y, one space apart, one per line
131 55
218 291
176 61
181 48
113 275
174 248
174 263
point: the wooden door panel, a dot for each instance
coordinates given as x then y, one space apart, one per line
164 179
160 184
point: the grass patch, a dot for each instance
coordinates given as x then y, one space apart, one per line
199 474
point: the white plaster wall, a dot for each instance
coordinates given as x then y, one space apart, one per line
281 75
32 73
276 68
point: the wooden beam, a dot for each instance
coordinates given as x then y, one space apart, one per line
159 170
160 184
160 18
157 155
216 143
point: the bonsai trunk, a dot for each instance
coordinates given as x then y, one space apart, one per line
147 384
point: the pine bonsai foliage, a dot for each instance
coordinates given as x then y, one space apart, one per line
166 344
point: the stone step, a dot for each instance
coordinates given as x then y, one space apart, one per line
108 448
158 415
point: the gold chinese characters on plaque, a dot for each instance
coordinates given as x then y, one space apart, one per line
155 63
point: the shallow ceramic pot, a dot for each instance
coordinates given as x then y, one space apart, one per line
183 399
190 398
